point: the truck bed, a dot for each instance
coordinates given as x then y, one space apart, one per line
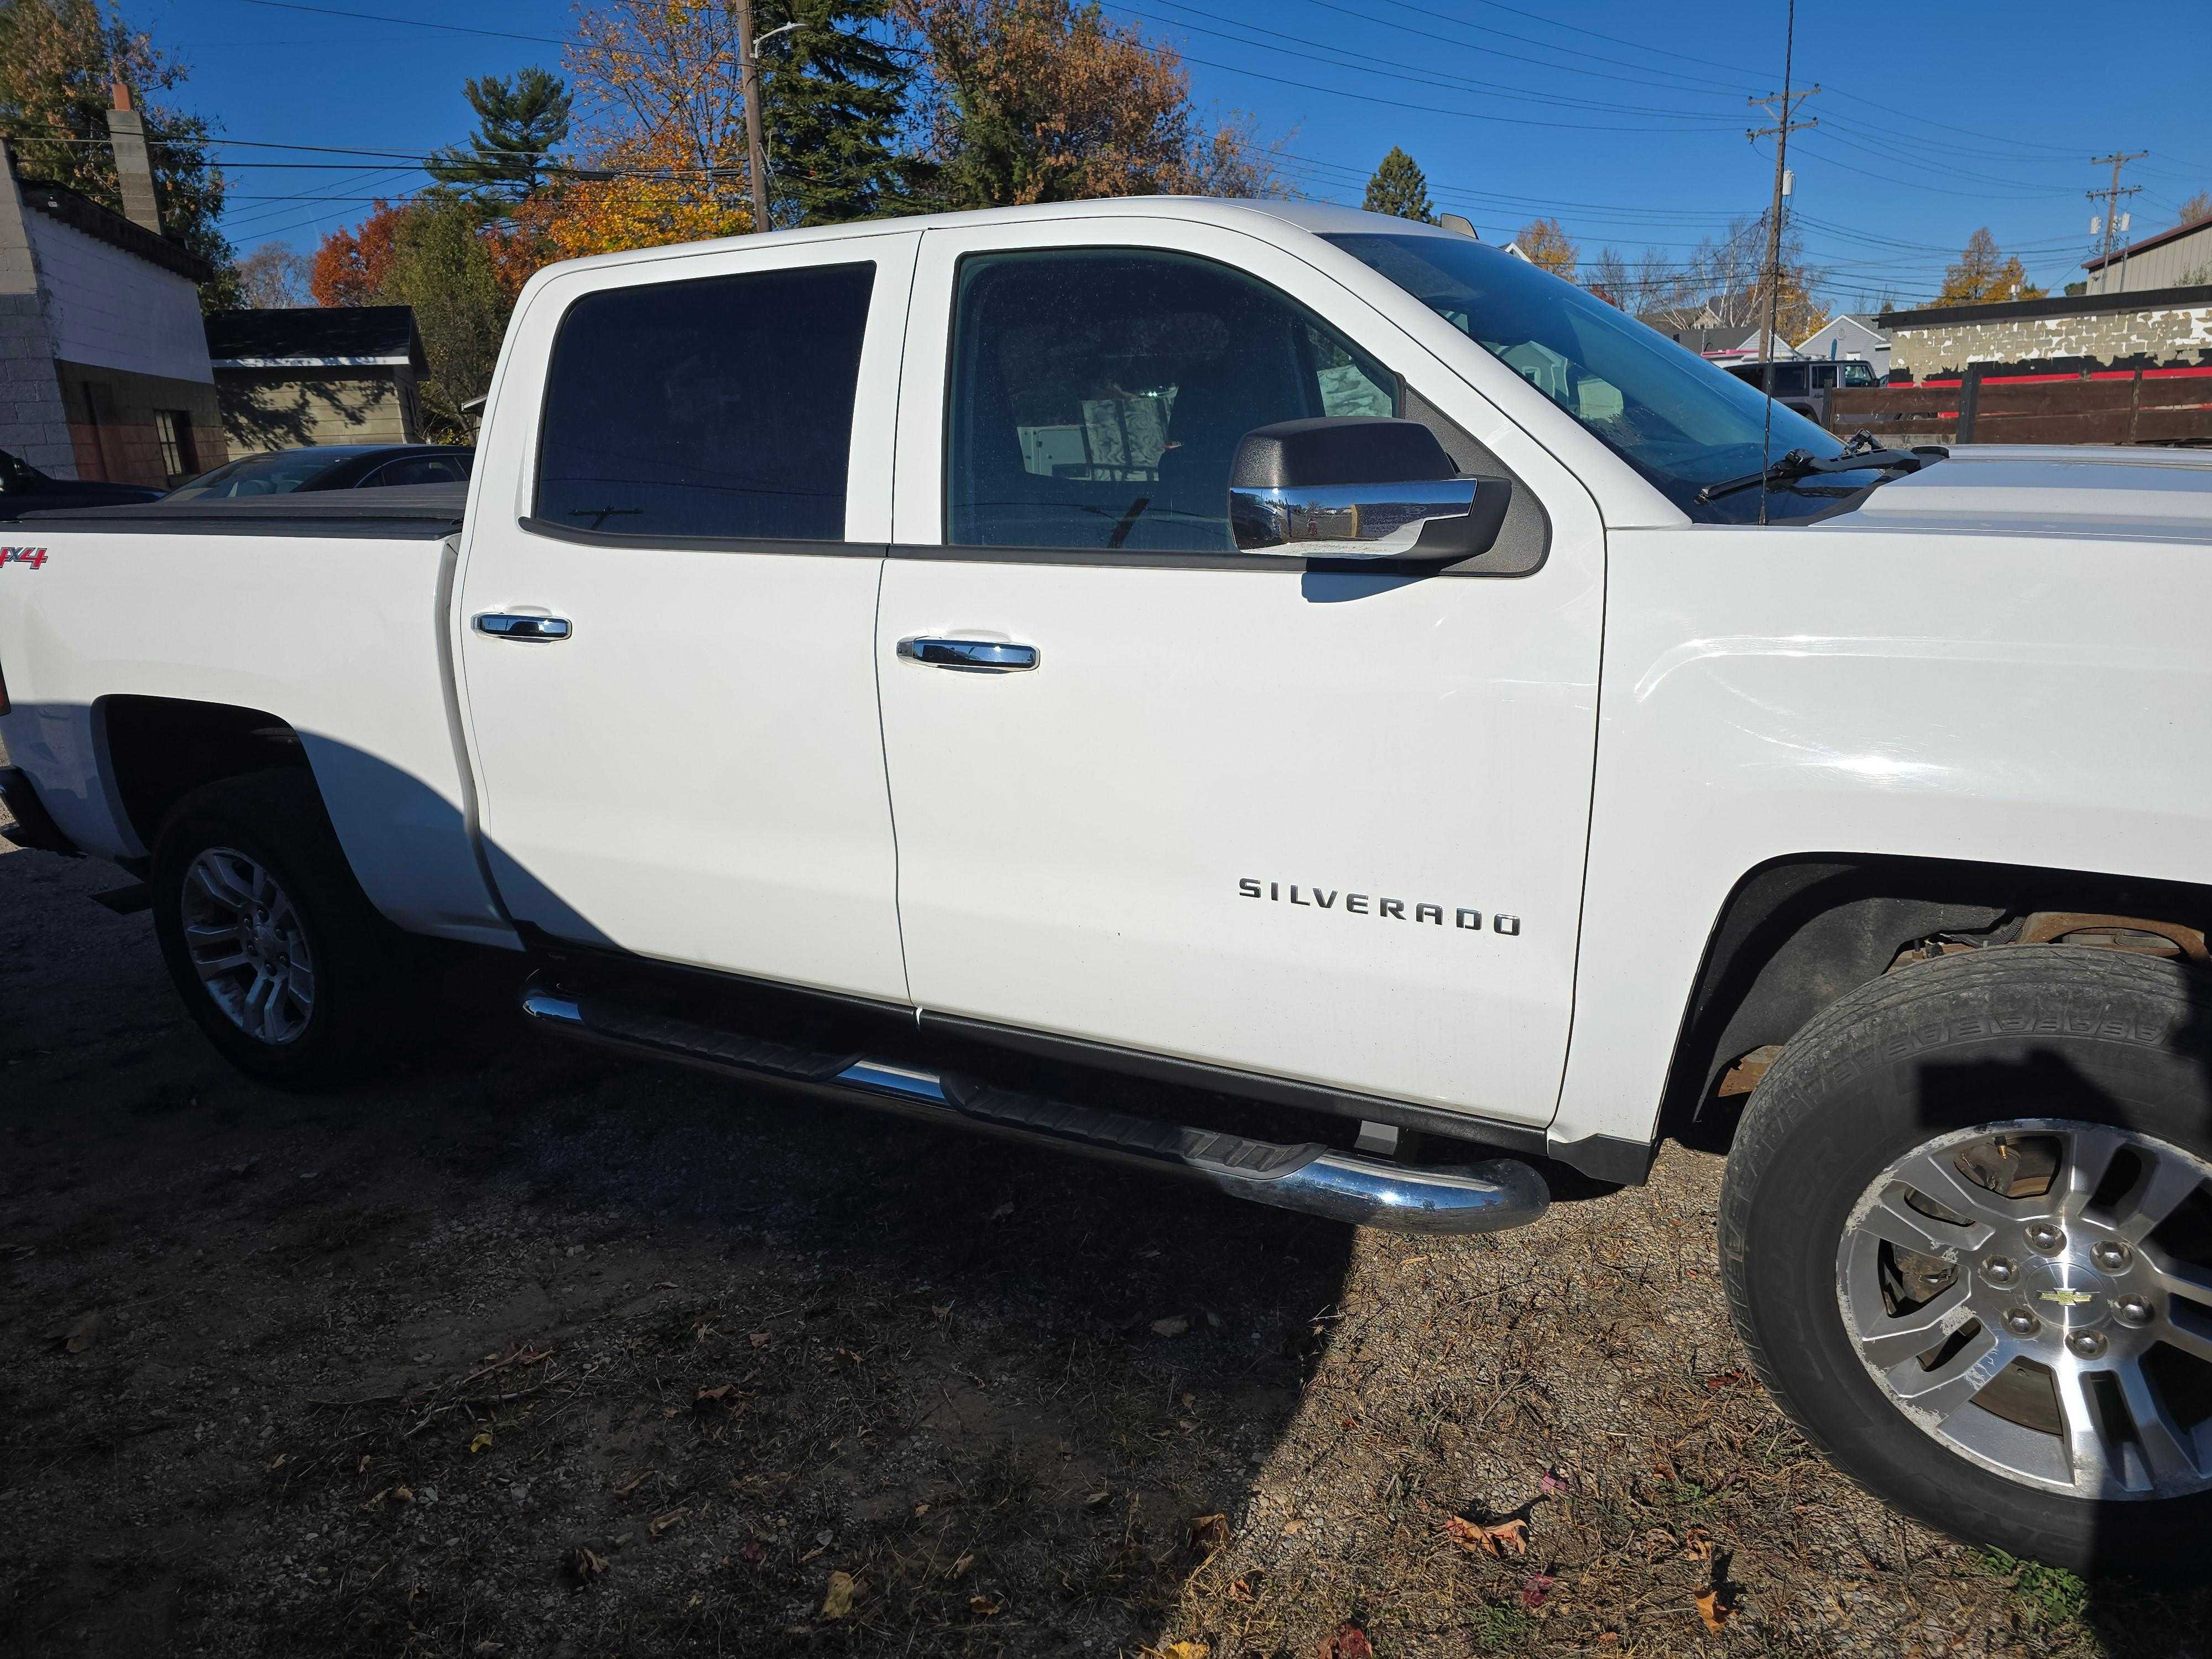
401 512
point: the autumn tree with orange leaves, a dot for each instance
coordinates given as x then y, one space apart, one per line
1046 100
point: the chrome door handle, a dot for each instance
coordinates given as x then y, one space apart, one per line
971 656
507 625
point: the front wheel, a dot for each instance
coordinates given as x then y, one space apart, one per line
281 959
1967 1230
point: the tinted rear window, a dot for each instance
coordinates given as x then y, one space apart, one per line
721 406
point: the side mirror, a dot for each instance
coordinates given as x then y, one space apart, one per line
1358 487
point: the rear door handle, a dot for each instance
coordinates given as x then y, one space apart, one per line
969 656
507 625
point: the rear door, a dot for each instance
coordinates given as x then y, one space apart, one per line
1304 823
667 611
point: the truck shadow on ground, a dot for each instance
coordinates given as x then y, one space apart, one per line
525 1349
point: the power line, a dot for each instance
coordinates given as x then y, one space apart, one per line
416 22
2111 194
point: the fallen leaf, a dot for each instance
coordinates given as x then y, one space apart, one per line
753 1552
1240 1589
1534 1588
959 1569
1606 1638
1098 1497
920 1509
838 1602
1550 1484
83 1334
1506 1538
283 1458
1713 1609
661 1523
1292 1528
1003 1211
1173 1325
480 1440
633 1483
940 1310
1209 1533
1697 1545
586 1563
1350 1642
1184 1650
985 1606
758 1339
403 1494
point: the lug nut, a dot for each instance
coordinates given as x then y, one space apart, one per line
2132 1310
2088 1345
2021 1322
2046 1236
1999 1270
2110 1254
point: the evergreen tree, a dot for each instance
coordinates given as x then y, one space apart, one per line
518 124
834 102
1400 186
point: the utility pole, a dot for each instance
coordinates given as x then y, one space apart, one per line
756 140
1784 108
2110 221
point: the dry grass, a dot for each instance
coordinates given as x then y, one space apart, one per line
522 1354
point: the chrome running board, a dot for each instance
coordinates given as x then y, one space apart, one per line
1313 1179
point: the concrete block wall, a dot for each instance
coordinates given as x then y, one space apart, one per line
111 308
2182 335
34 424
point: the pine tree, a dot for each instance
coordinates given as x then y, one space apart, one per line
518 124
834 103
1400 187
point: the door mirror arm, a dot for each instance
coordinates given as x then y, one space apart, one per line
1362 488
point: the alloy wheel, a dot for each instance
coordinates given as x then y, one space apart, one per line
249 945
2037 1296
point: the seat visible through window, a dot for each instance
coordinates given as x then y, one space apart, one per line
1099 396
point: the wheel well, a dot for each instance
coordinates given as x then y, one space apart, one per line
160 749
1797 934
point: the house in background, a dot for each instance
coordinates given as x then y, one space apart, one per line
1849 337
104 372
341 374
2179 258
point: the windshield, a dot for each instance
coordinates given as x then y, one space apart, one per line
1677 419
260 475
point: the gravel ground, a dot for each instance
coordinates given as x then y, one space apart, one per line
526 1351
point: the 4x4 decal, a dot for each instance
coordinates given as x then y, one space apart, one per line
33 556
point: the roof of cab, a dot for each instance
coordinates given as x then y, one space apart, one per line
1317 218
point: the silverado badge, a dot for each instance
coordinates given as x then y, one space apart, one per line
2068 1298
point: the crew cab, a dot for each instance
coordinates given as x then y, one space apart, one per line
1433 728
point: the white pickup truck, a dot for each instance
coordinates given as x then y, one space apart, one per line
1370 688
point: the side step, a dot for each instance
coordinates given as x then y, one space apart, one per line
1479 1198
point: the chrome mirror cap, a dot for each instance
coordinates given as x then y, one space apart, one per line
1359 521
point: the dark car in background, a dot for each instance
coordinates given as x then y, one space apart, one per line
330 466
1805 384
24 489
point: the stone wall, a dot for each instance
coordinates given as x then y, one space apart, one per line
2178 335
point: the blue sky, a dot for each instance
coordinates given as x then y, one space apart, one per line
1624 121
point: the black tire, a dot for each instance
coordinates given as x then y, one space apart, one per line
2083 1035
276 820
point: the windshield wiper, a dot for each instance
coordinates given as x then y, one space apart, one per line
1857 457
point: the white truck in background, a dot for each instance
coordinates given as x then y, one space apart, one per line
1295 656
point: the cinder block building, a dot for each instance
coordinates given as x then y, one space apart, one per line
2166 330
104 370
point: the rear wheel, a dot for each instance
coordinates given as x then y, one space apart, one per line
1967 1230
281 959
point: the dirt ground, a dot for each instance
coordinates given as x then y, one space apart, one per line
525 1350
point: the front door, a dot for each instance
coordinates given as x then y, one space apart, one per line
1156 794
666 644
